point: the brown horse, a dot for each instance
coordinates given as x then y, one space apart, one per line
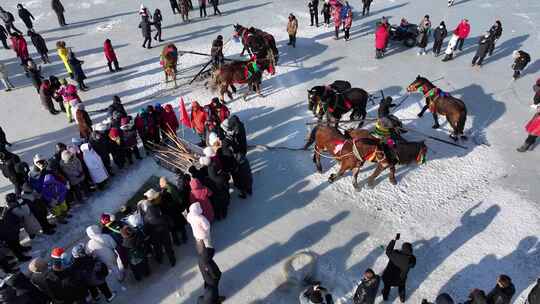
441 103
238 72
169 61
256 41
349 152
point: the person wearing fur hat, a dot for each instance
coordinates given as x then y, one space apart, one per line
38 272
397 269
83 121
103 247
25 215
94 272
133 241
38 208
98 172
73 170
521 60
129 138
157 226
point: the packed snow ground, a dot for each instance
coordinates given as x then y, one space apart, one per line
471 214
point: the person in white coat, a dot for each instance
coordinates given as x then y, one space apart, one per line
200 226
102 246
449 53
97 170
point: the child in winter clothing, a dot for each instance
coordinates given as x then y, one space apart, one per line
54 193
521 59
70 98
347 24
63 54
292 28
110 55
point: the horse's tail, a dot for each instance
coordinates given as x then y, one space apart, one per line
311 139
461 122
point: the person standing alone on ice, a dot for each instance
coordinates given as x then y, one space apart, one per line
424 30
63 53
521 59
110 55
397 269
59 10
381 39
292 28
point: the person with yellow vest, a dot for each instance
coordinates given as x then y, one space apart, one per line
63 53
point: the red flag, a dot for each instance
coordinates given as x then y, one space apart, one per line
184 116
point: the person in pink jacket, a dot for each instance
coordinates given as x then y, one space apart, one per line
462 31
70 98
336 15
201 194
381 39
347 24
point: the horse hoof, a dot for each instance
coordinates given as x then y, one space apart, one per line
454 137
463 137
435 126
332 178
393 181
371 184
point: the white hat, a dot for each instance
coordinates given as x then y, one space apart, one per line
225 124
213 139
100 127
38 157
204 161
151 194
209 152
515 54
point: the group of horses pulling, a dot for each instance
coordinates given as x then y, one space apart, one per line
353 148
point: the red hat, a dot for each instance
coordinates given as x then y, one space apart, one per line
114 133
57 252
105 218
124 121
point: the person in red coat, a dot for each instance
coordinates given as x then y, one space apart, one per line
198 120
110 55
169 122
381 40
462 31
19 45
533 128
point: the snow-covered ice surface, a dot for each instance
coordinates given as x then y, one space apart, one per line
471 214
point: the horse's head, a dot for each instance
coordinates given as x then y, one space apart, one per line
420 84
315 100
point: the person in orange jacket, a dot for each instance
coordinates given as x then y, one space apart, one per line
198 120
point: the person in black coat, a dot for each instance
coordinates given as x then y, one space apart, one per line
503 292
40 45
220 187
102 145
38 208
210 272
146 31
534 294
116 106
521 59
58 8
483 49
439 34
25 289
365 9
34 72
94 273
8 164
366 292
158 18
399 264
65 283
215 4
8 19
476 296
3 141
174 7
4 36
26 17
9 231
78 73
496 32
313 7
173 211
443 298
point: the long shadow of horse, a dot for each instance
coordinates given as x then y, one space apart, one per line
433 252
482 275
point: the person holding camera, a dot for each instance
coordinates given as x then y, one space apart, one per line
316 294
399 264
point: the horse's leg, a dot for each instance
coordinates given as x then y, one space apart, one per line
355 172
233 88
424 109
436 121
455 128
317 156
333 177
371 179
392 175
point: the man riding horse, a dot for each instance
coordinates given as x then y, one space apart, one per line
387 125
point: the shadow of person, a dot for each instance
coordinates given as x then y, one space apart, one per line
431 253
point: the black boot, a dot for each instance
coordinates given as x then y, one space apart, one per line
524 147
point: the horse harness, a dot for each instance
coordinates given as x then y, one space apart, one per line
431 96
